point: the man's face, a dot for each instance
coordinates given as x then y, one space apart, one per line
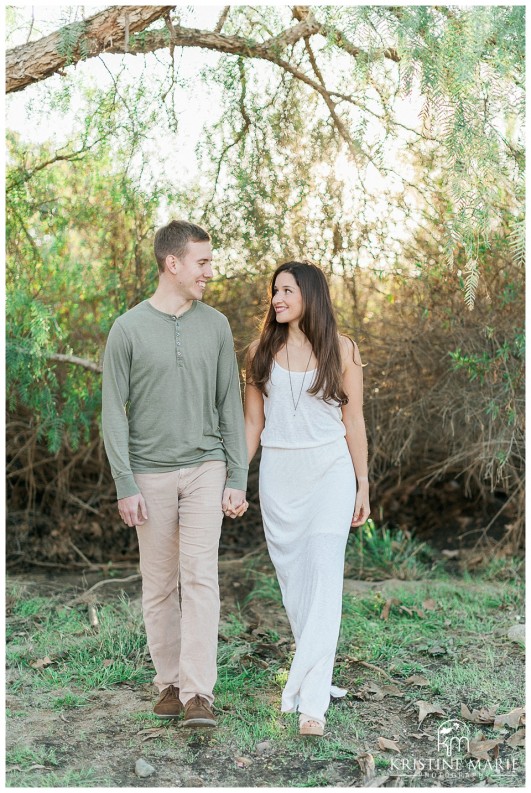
194 269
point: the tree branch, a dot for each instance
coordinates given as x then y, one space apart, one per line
222 19
73 359
354 150
24 175
37 60
340 40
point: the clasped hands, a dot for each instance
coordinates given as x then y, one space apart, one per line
233 503
133 510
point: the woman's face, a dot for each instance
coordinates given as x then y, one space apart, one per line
287 298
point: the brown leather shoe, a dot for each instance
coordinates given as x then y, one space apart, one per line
198 713
168 705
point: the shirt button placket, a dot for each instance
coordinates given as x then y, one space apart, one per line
178 343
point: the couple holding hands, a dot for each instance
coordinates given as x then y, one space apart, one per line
179 447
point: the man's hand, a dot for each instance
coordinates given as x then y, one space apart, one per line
133 510
233 502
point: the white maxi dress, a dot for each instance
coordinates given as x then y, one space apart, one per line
307 496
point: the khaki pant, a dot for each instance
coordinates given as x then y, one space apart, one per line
179 543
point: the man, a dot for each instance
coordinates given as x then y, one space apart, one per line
174 435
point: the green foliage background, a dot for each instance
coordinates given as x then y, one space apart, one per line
425 264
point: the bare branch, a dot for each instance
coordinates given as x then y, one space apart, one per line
24 175
222 19
354 149
73 359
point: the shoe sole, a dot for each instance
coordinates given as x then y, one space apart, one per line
168 716
199 723
307 728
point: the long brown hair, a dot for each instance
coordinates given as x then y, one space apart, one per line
318 323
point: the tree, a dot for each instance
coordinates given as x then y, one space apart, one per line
467 63
384 142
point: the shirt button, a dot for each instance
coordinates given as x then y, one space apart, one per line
174 317
178 344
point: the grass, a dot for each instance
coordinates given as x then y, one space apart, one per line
460 647
88 778
69 701
26 756
81 658
378 552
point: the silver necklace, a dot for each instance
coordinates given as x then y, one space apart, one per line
296 404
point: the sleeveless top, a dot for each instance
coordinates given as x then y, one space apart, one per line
315 422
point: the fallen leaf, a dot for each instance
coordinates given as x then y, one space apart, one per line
388 603
243 762
151 732
37 767
375 693
253 659
478 748
367 765
107 662
429 604
417 680
516 739
40 663
422 736
426 708
450 554
386 744
193 781
515 718
378 781
481 716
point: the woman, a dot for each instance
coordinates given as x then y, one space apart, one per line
303 401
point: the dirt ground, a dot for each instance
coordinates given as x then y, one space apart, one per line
107 735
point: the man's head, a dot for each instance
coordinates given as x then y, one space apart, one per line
184 257
173 240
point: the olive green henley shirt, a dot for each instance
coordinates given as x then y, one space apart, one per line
171 395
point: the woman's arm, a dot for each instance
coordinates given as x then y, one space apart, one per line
354 422
253 409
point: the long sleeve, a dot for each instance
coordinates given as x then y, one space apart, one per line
115 395
230 411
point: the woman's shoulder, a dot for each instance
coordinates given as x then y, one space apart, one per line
349 349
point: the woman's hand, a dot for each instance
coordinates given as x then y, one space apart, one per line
234 504
362 508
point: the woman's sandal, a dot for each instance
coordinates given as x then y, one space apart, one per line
310 726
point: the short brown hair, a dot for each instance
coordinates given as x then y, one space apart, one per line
173 239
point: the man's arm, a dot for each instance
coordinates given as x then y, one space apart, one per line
229 406
115 425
